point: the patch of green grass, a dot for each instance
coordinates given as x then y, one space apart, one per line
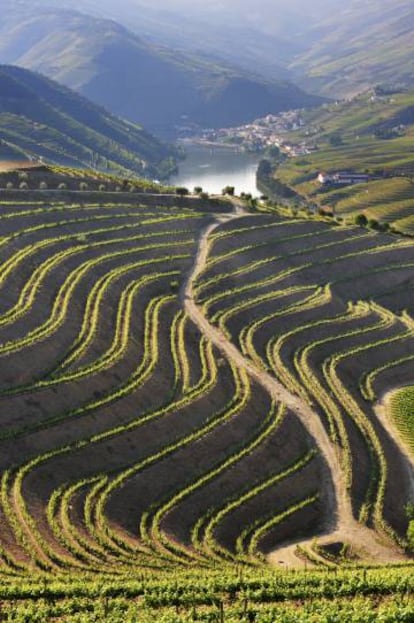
401 409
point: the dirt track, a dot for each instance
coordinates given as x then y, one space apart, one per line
342 526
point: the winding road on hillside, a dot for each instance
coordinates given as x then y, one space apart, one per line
341 525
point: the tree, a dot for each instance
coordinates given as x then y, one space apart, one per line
265 168
273 152
336 139
181 191
228 190
198 190
361 220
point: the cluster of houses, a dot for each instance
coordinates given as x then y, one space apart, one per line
260 135
342 178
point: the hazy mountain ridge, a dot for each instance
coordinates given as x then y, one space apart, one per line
149 84
331 46
43 119
366 44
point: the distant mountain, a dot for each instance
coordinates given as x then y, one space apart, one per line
222 30
149 84
334 47
359 45
41 119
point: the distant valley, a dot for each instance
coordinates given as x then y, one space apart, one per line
156 86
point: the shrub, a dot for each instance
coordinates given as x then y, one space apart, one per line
384 227
410 535
325 212
373 224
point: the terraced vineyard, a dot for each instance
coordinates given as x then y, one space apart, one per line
388 201
327 312
369 133
181 390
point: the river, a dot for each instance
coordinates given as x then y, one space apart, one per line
214 168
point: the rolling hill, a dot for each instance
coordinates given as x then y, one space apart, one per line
41 119
146 83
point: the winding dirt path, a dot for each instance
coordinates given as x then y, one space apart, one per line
342 526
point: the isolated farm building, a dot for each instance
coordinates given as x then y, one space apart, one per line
325 178
343 178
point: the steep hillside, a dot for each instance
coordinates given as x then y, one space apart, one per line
219 29
359 45
40 118
371 134
328 46
186 388
153 85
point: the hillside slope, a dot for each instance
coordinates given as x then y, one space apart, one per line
357 46
184 389
40 118
371 134
149 84
329 46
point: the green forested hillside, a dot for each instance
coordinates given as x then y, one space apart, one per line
40 118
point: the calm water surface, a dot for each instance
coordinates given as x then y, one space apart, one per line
215 168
